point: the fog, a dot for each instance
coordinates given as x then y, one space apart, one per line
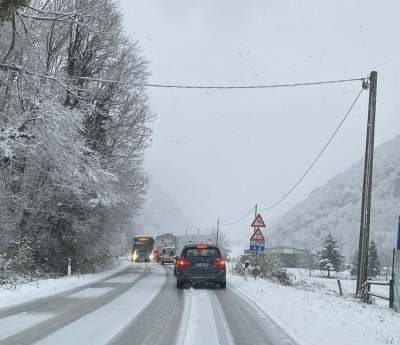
219 152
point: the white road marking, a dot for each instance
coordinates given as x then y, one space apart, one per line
198 323
16 323
125 278
104 323
222 325
90 293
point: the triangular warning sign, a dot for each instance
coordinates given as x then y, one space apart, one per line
257 236
258 222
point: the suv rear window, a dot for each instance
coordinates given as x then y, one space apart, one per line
168 251
207 252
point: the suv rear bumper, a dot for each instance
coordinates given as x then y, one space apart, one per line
198 279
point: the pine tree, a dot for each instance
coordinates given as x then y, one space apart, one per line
329 256
374 264
354 264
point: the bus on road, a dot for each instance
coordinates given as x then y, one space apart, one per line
142 248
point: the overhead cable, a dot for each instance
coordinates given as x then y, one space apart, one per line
221 87
252 87
213 226
316 159
239 219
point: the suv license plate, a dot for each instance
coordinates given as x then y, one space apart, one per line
202 264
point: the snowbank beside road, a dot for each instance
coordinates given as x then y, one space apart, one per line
48 287
319 315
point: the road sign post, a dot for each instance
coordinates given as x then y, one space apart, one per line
257 240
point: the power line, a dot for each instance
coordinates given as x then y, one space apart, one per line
316 159
10 66
254 86
239 219
298 182
213 225
65 78
221 87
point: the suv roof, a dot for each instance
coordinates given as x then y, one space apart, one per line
195 245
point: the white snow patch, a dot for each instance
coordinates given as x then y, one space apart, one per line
198 325
17 323
90 293
100 326
125 278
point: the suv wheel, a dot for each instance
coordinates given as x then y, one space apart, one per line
179 285
222 285
162 262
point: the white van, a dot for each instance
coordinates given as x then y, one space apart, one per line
167 255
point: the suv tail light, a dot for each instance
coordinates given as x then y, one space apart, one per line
182 262
220 263
202 246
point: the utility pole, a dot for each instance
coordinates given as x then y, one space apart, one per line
217 232
367 185
255 216
254 252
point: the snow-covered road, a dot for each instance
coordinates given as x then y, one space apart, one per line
140 304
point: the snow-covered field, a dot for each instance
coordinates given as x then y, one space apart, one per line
317 314
312 315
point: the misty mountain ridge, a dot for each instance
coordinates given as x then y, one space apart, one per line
336 207
161 214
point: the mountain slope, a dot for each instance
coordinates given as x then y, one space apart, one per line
161 214
336 206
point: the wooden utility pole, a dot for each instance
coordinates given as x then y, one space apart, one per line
217 232
255 252
367 185
255 216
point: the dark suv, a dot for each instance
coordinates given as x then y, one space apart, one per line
201 263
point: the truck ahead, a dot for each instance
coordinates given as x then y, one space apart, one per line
183 240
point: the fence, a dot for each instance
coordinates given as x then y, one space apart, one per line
366 292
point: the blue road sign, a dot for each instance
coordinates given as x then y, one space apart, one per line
257 248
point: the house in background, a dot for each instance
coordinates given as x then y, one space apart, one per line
166 240
290 256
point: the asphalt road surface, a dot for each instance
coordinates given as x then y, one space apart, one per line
140 305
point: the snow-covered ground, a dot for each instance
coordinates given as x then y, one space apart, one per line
315 314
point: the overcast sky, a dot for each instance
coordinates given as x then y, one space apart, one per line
220 152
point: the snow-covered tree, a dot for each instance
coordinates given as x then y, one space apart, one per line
386 259
223 240
329 257
268 266
374 264
354 264
74 124
8 7
310 259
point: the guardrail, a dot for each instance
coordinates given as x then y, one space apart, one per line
366 292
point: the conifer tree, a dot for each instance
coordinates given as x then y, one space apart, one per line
374 264
354 264
329 256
